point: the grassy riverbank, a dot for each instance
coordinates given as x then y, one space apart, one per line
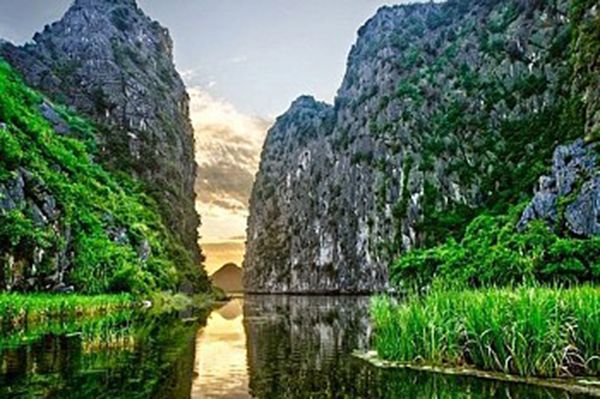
20 308
27 317
545 332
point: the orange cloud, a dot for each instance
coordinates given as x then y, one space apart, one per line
228 146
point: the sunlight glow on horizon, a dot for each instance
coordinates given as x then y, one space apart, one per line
228 146
221 358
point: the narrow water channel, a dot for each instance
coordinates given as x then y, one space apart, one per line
255 347
301 347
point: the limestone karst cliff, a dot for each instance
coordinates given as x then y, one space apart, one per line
101 203
111 62
446 111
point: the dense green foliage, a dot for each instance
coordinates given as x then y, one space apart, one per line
528 331
492 252
91 202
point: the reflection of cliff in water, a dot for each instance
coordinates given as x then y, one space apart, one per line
300 347
296 345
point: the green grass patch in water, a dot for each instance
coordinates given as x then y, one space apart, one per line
17 308
542 332
26 318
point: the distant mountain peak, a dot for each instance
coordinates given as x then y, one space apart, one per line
228 278
229 266
104 3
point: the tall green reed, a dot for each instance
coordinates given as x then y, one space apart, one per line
547 332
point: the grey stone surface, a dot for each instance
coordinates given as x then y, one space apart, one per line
42 267
342 190
59 125
144 250
575 183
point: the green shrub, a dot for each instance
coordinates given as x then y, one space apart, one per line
492 252
11 152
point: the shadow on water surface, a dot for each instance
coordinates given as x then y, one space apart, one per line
257 346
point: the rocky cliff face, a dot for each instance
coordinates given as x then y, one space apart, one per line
446 110
569 197
111 62
66 222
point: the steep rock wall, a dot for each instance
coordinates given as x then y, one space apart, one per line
446 110
108 60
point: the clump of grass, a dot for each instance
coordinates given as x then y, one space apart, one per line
544 332
94 329
25 318
20 309
166 302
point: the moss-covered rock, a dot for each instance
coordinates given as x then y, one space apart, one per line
112 63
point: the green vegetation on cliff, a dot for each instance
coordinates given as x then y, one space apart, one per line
482 246
489 101
510 284
64 219
492 252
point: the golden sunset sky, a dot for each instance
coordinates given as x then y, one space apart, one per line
228 145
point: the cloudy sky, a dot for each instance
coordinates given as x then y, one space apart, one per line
244 62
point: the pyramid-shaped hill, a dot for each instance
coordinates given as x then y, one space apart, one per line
228 278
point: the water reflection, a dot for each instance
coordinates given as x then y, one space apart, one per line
300 347
262 347
127 356
220 367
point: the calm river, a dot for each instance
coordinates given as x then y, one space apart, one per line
256 347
